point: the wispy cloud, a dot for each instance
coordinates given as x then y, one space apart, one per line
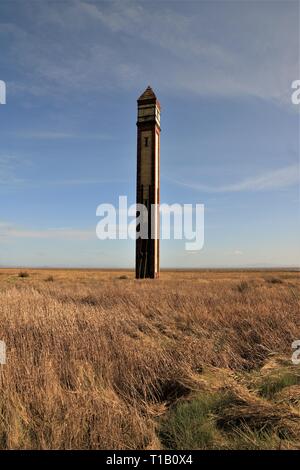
8 166
83 181
56 135
197 49
48 183
272 180
9 231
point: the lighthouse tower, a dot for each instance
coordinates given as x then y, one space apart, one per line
148 183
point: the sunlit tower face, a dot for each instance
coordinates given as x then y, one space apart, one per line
148 162
148 113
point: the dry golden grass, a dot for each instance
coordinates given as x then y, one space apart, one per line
98 360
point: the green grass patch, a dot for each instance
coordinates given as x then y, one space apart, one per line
228 420
277 381
245 438
190 424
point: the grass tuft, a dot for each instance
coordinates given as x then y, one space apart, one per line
278 380
23 274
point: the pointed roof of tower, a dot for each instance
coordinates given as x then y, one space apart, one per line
148 94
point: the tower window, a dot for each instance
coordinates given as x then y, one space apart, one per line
146 141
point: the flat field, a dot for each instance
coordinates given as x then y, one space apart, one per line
194 360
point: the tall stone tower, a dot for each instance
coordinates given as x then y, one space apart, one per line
148 182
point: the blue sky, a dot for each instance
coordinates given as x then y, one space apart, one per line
222 71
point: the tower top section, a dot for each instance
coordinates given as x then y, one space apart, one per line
148 97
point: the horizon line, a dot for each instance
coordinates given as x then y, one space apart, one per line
202 268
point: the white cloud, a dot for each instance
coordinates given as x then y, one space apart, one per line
275 179
55 135
8 231
207 51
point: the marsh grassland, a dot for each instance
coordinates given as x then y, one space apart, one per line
195 360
